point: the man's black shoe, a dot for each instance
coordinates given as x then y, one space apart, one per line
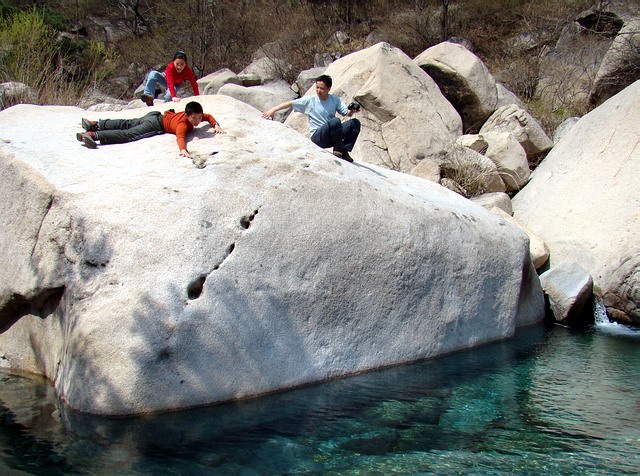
343 154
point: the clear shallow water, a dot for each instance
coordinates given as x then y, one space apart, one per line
550 401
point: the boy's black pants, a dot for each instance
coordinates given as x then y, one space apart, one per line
117 131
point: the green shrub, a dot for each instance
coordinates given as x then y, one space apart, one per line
57 69
28 49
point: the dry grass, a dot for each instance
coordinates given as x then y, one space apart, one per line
471 174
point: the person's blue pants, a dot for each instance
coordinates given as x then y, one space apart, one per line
155 78
336 134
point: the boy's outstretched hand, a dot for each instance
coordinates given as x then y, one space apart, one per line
185 153
218 129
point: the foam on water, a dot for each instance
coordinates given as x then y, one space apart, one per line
603 324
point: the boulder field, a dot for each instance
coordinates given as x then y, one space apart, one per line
139 281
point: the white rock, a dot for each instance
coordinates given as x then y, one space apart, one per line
569 289
405 118
463 79
583 201
494 199
510 158
211 83
138 282
538 250
522 126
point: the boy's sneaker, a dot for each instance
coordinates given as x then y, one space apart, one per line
88 141
147 99
89 126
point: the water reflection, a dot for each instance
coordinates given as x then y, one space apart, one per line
549 400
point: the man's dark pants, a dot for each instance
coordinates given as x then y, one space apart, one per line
117 131
336 134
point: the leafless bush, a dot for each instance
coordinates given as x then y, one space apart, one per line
470 173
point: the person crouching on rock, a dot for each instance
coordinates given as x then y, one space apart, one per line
117 131
176 73
326 129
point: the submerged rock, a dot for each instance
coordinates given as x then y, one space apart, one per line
139 281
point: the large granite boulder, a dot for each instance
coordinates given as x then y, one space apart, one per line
582 200
138 282
463 79
405 118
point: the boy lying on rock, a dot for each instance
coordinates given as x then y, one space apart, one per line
117 131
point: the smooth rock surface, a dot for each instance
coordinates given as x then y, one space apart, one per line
584 197
140 281
405 118
463 79
538 251
211 83
569 289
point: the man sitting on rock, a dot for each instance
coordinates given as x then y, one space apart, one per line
117 131
326 129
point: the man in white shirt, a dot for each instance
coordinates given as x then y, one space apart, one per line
326 129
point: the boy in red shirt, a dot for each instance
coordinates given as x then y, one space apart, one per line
117 131
176 73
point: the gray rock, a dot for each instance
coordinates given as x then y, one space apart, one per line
249 80
567 70
569 290
15 93
307 79
538 250
506 97
262 97
212 83
428 170
138 282
267 69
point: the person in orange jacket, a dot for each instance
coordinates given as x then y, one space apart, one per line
176 73
117 131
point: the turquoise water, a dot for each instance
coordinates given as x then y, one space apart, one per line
550 401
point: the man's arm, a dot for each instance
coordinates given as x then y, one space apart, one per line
269 114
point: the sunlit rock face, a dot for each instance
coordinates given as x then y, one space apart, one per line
139 281
582 200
